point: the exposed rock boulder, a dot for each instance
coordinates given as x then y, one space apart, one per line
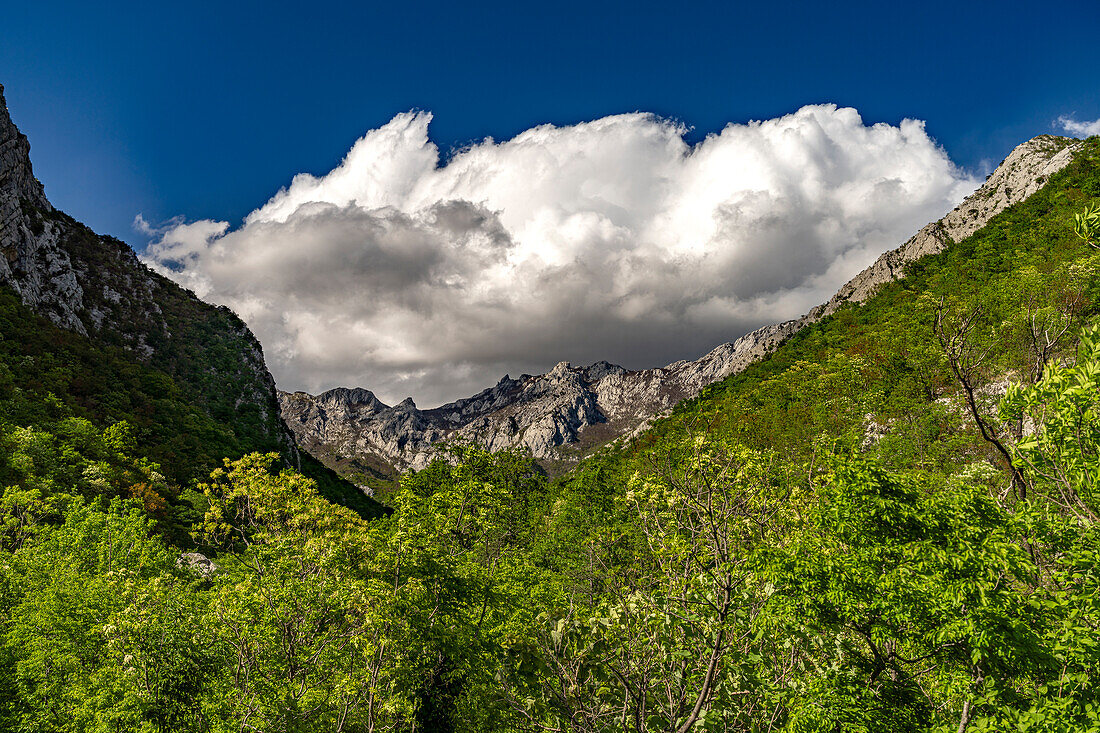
197 563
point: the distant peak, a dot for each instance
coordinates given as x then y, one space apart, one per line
601 369
561 368
351 396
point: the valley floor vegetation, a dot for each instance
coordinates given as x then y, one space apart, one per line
890 524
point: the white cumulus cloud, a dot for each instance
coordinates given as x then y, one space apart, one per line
1078 128
612 239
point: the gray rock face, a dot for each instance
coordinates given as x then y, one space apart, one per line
562 414
97 287
32 262
540 412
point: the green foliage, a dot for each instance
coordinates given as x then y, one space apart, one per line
833 540
44 472
339 490
293 608
886 578
1062 451
47 374
904 583
62 589
1087 224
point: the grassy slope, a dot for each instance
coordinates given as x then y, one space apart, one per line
878 367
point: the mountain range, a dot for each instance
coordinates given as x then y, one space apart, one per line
96 287
564 414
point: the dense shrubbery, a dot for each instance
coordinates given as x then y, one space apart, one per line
890 524
752 592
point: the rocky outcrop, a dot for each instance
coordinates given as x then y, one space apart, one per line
197 563
1027 169
569 410
540 412
31 261
97 287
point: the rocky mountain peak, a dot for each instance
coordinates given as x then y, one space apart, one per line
601 369
17 181
560 369
344 396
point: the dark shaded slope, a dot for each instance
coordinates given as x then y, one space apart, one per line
85 321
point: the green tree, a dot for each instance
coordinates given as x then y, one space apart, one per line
310 640
64 587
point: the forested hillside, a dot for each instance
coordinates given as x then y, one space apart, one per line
896 509
88 332
887 524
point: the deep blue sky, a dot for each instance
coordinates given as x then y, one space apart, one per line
204 110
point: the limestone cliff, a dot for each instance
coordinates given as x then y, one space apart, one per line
562 414
96 286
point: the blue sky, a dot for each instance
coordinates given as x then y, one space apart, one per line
417 257
206 109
